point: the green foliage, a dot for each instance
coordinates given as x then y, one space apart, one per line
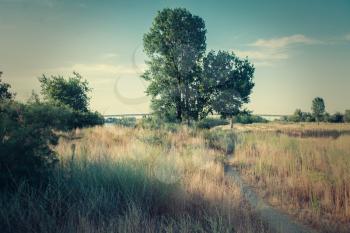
175 45
336 118
209 123
300 116
72 92
228 82
318 108
5 93
68 98
185 85
347 116
25 136
247 118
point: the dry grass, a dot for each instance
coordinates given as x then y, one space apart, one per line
305 174
113 179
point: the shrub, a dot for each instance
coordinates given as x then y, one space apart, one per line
150 122
85 119
25 137
209 123
249 119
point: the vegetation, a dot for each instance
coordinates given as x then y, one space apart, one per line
27 134
300 171
208 123
318 114
5 93
318 108
123 121
186 84
248 118
72 92
110 179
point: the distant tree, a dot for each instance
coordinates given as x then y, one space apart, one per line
336 118
5 93
347 116
175 45
297 116
72 92
228 83
318 108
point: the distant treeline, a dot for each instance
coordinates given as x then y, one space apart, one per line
318 114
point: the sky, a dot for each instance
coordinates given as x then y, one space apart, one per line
300 49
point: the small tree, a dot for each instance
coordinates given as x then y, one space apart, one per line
72 92
5 93
318 108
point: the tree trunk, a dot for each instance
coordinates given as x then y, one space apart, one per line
231 122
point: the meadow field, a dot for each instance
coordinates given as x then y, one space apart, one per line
117 179
302 169
172 179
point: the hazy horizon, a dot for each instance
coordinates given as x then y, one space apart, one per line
300 49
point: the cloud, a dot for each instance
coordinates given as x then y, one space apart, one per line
266 52
262 55
265 57
282 42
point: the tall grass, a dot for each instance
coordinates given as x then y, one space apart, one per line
306 176
131 180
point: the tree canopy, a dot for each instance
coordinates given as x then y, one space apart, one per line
71 92
184 82
318 108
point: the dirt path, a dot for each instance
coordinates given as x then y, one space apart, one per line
279 222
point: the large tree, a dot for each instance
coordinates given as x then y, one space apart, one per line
228 83
175 45
318 108
183 81
71 92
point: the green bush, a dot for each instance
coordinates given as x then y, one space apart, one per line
249 119
25 139
209 123
85 119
